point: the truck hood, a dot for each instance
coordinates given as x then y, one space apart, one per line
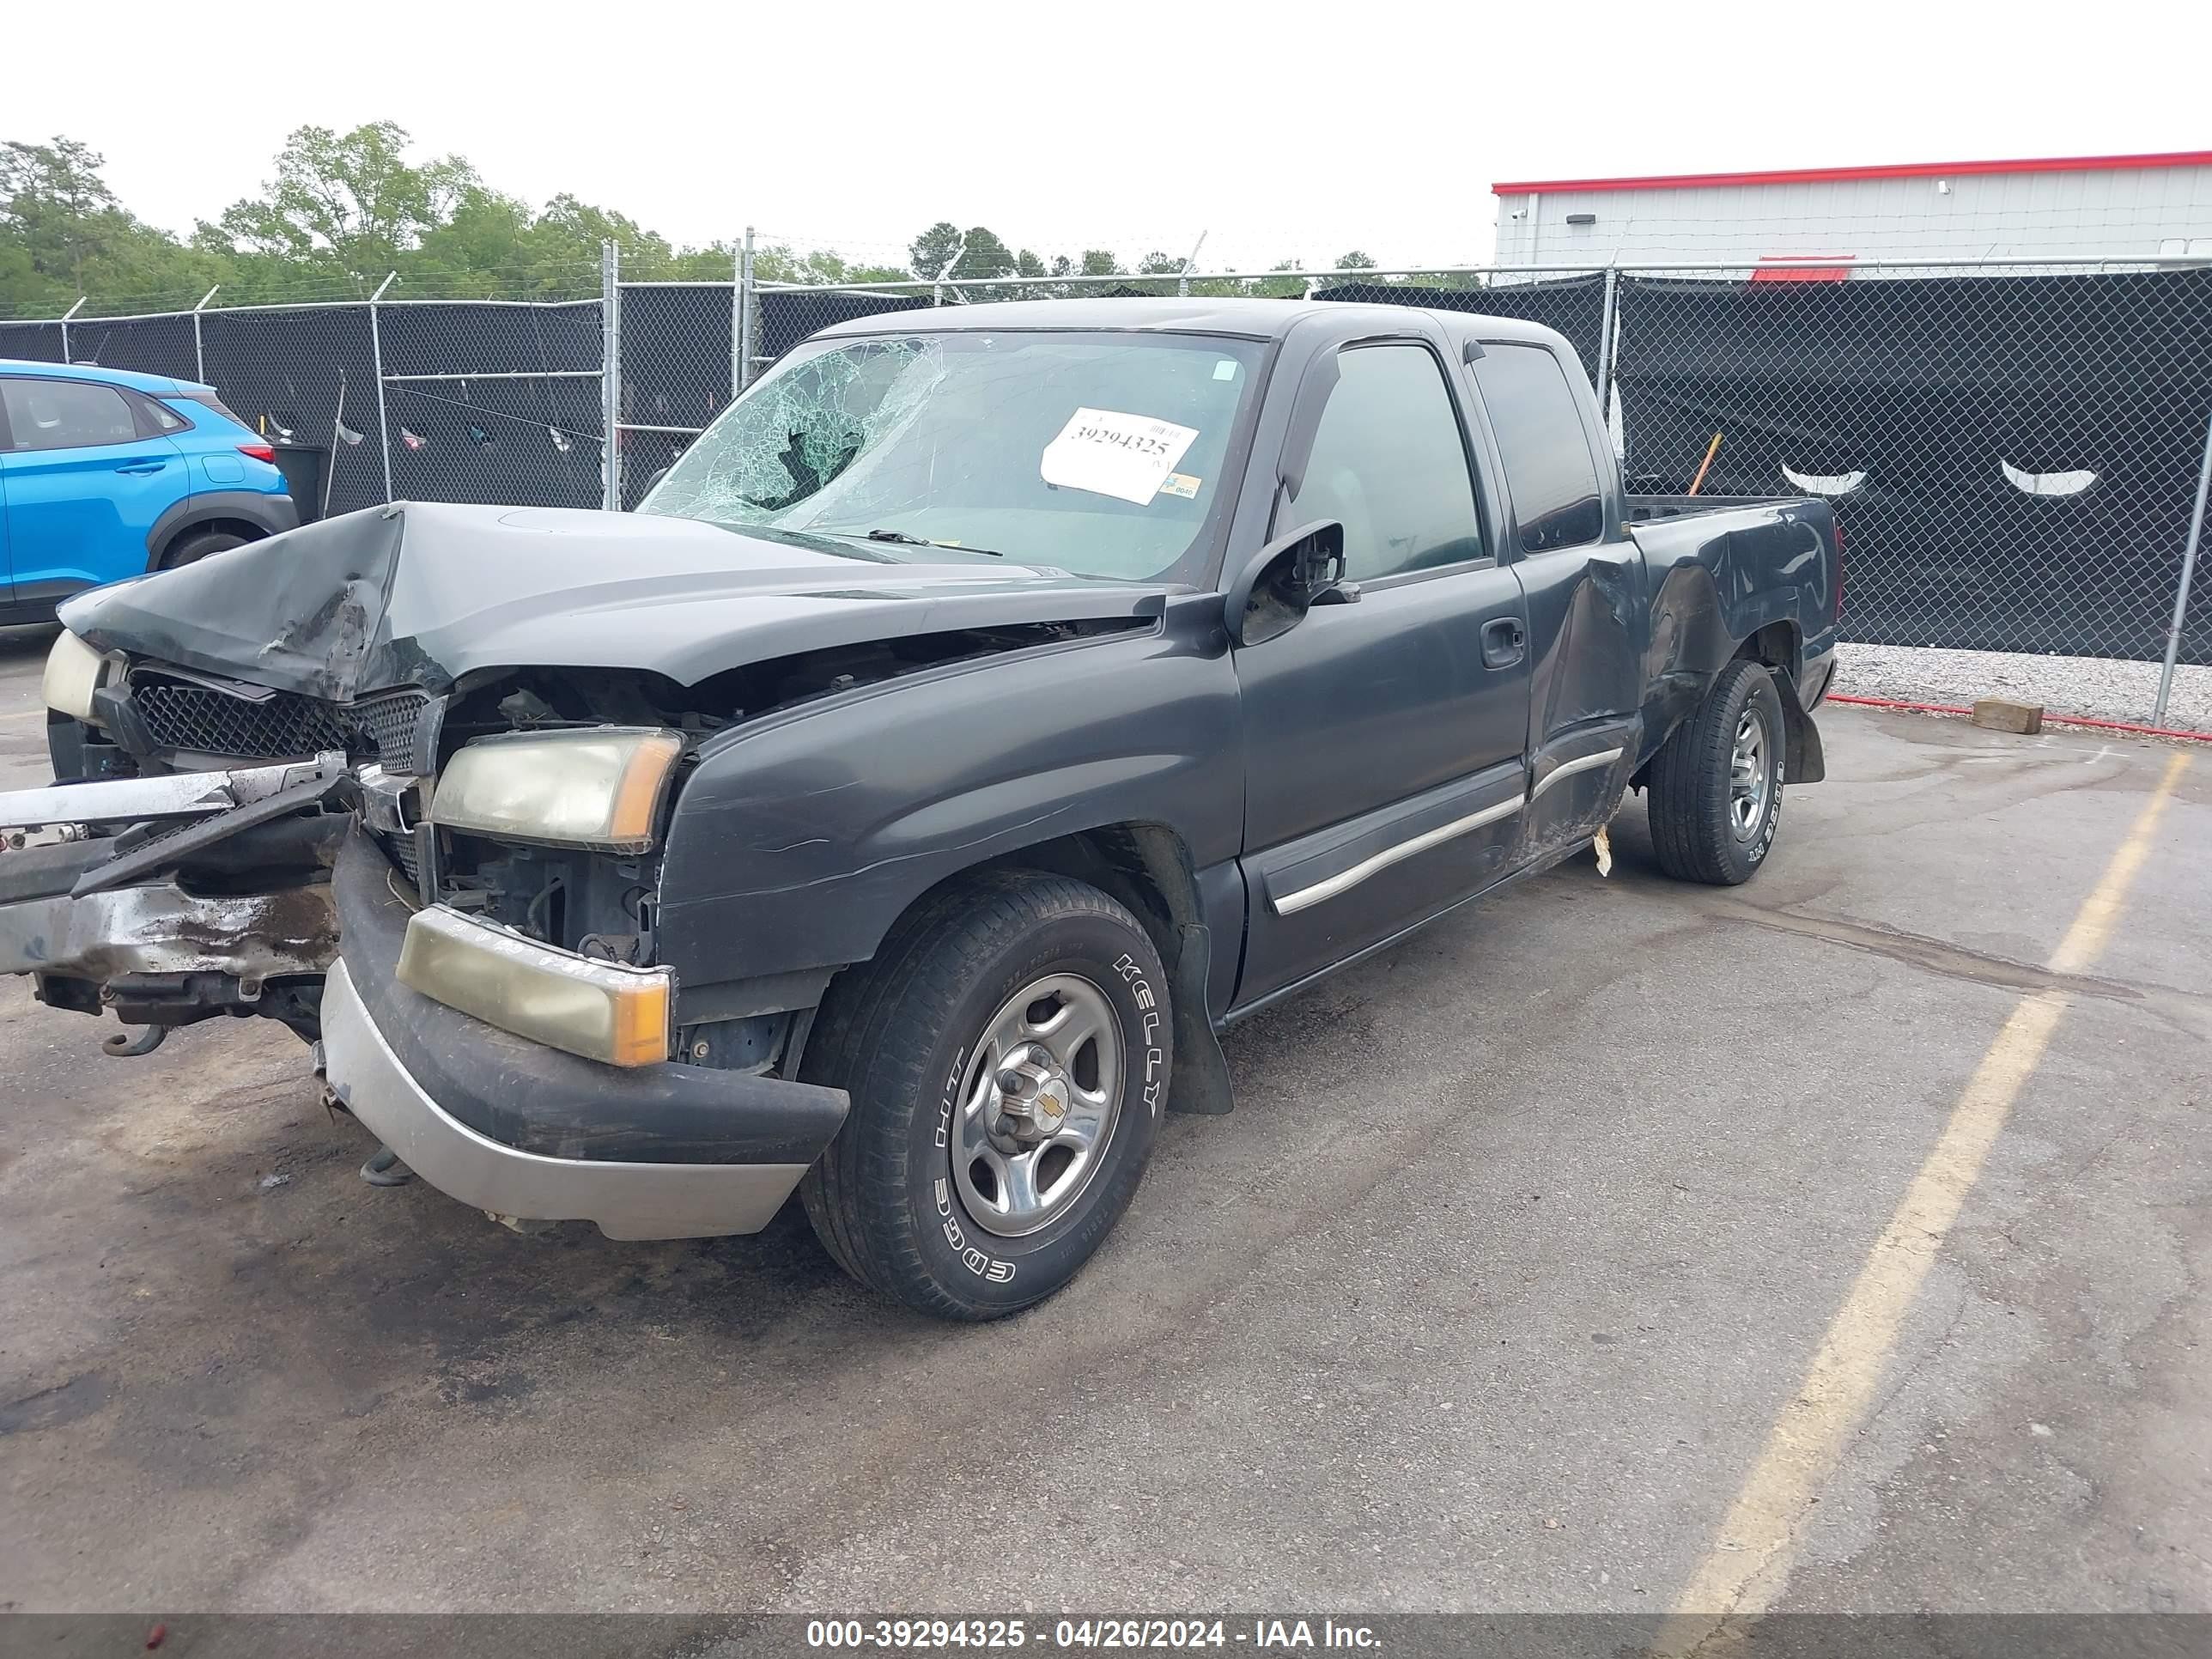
423 594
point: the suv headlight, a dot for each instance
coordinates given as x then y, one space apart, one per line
600 787
74 671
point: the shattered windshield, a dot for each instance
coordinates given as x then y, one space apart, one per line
1102 455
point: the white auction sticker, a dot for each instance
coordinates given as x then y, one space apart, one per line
1109 453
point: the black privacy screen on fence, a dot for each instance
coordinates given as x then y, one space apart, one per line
151 345
675 368
2014 458
789 315
491 402
35 342
484 400
291 370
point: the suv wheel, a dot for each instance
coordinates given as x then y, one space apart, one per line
1007 1054
1716 782
191 548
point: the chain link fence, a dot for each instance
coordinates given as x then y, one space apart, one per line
678 370
2015 451
492 401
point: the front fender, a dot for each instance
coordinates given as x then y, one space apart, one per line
799 839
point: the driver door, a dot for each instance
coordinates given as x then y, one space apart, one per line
1384 739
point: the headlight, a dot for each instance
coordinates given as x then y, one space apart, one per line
74 671
598 787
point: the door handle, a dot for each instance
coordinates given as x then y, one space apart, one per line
1504 642
143 466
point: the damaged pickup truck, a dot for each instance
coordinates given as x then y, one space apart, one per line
987 710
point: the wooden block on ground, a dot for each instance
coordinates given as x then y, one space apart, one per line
2002 714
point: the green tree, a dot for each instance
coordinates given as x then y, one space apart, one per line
55 209
946 250
984 255
778 263
494 245
1354 260
63 236
933 251
348 202
1159 263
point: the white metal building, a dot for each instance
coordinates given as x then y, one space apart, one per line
1828 220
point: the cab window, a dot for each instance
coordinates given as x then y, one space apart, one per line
1388 463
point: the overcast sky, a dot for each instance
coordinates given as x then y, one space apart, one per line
1280 130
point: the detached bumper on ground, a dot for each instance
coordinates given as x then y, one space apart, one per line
511 1126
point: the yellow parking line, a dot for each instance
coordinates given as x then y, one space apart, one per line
1751 1554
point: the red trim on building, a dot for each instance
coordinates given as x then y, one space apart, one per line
2187 158
1803 268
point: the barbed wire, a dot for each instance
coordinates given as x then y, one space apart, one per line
568 280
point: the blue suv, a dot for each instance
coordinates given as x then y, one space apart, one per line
106 474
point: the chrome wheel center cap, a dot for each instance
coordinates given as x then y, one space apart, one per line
1033 1095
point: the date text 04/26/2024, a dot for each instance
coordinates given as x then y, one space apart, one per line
1087 1635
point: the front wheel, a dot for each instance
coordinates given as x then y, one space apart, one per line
1006 1053
1716 781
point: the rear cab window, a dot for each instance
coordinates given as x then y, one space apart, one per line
1549 470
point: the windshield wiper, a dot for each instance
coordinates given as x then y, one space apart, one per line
905 540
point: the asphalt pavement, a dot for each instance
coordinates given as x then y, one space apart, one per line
1489 1296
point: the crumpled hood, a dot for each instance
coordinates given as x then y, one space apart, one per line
423 594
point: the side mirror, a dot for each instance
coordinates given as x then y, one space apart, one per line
1284 580
654 483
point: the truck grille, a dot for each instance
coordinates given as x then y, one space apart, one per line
401 851
284 725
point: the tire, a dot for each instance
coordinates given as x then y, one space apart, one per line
192 549
922 1195
1707 823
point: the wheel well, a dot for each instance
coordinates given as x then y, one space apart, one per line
1148 868
244 529
1774 645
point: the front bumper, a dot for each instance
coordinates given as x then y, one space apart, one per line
524 1131
103 908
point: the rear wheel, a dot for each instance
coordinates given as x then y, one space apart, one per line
1716 782
191 548
1007 1054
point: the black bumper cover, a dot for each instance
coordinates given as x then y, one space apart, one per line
537 1099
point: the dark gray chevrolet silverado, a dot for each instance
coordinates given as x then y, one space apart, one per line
985 711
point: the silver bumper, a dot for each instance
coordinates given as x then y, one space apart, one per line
172 795
628 1200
